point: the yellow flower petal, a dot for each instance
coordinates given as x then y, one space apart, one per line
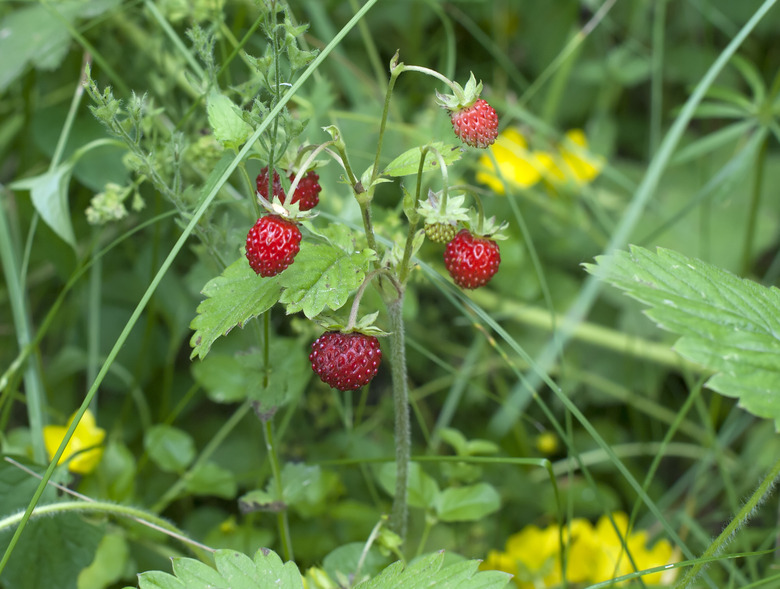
87 435
516 164
580 165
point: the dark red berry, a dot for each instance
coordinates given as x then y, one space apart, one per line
471 261
345 361
306 194
271 245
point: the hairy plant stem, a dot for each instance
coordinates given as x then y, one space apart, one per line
403 438
740 519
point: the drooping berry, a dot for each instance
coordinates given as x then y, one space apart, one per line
440 232
471 261
306 194
345 361
271 245
476 125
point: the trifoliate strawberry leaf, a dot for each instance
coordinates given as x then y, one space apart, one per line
234 570
226 121
409 161
233 298
729 325
428 572
322 276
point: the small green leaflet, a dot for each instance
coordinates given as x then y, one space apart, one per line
409 161
49 193
225 119
428 572
323 276
233 298
729 325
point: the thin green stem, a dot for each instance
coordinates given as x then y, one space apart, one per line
755 200
743 516
105 508
214 443
276 473
394 73
415 220
403 441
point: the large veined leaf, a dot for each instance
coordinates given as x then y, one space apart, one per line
234 571
428 572
323 276
233 298
729 325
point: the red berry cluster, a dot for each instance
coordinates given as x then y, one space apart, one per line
345 361
273 242
307 194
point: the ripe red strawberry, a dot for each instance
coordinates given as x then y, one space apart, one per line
345 361
471 261
475 122
272 244
476 125
306 194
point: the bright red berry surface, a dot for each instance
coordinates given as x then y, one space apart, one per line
471 261
476 125
272 244
307 194
345 361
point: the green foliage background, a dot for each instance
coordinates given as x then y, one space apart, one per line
489 365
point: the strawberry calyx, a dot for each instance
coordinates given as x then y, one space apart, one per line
290 211
462 97
487 227
442 215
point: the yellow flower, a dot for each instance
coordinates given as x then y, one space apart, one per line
517 165
593 554
86 435
520 167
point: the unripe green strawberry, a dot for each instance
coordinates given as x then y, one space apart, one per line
345 361
271 245
471 261
440 232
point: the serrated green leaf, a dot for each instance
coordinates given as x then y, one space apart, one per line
428 571
237 569
233 298
195 573
160 580
170 448
226 121
322 276
234 571
728 324
409 161
49 193
271 572
469 503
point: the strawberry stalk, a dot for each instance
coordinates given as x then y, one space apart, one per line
405 261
